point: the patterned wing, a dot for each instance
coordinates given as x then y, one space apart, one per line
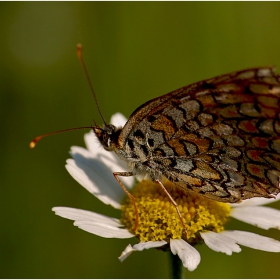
219 137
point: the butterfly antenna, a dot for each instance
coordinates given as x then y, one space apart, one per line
35 140
79 54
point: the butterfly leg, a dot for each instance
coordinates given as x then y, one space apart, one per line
175 205
127 174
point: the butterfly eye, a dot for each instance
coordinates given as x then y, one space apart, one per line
107 136
108 142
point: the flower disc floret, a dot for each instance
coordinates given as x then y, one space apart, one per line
159 220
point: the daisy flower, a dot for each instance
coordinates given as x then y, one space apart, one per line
159 224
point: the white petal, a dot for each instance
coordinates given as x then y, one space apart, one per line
103 230
149 244
94 223
189 256
260 216
109 159
92 143
118 120
140 247
255 201
84 215
127 251
253 240
220 243
94 177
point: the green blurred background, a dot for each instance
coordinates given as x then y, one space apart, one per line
134 52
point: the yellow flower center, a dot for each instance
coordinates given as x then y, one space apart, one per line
159 220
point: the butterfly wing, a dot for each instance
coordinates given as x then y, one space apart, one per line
219 137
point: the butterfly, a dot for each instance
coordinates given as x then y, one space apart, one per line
219 137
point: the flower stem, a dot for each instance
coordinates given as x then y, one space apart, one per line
176 266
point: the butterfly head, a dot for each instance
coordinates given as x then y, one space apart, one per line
107 136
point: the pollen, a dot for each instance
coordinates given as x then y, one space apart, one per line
158 219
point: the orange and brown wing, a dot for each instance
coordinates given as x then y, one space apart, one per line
219 137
